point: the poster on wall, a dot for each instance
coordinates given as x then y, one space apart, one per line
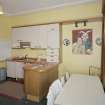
82 41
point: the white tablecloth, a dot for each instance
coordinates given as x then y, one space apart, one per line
81 90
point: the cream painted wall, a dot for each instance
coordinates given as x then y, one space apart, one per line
5 30
80 63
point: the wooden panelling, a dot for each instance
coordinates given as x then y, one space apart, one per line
37 81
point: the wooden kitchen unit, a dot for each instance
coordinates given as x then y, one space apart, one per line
37 79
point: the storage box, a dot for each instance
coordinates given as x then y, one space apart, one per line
3 74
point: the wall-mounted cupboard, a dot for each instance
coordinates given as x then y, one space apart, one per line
53 36
39 36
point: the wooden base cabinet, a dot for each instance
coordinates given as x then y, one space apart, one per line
37 81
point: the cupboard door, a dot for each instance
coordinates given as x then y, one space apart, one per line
19 69
20 35
53 36
11 69
34 36
16 38
25 33
43 36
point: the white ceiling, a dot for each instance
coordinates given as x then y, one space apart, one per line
16 7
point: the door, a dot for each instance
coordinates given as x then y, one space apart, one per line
19 70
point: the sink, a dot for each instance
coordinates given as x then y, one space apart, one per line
18 58
37 66
25 60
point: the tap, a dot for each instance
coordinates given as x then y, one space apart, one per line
26 56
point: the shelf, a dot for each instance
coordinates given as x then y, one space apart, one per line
18 48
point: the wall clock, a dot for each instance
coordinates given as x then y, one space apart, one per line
98 41
66 42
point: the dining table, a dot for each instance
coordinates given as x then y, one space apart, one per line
81 89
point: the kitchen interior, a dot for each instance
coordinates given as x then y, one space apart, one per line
32 45
37 73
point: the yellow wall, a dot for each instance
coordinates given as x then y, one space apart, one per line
5 27
76 63
71 63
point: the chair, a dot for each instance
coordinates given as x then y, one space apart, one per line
50 98
67 76
93 70
54 90
62 80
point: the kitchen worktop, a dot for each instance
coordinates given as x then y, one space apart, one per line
15 66
27 60
39 67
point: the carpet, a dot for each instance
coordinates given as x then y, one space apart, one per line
12 90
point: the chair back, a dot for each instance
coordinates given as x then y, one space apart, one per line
50 98
54 90
67 76
62 80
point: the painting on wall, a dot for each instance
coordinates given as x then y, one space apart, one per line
82 41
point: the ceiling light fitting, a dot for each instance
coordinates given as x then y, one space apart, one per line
84 23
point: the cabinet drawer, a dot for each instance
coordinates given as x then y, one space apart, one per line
51 58
53 52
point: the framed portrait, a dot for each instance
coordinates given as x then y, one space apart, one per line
82 41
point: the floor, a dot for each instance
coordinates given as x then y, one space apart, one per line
8 101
